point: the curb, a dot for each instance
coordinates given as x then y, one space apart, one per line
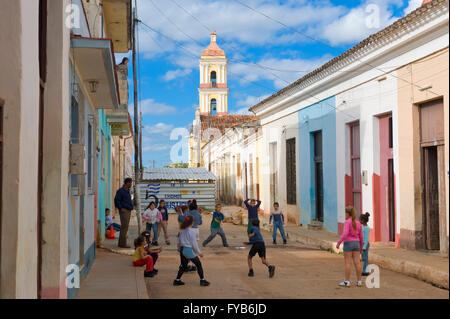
428 274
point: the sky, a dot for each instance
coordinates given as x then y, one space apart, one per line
269 44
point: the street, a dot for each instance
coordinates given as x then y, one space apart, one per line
301 272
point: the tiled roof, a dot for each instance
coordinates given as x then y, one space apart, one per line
224 122
374 38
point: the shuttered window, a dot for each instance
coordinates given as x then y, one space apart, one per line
291 172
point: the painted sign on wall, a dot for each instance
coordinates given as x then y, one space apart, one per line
176 194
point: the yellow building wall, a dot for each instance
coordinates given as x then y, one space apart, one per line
431 70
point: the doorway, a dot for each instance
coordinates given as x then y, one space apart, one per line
273 171
432 145
431 197
387 180
355 156
318 174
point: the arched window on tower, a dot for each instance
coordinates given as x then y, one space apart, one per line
213 79
213 108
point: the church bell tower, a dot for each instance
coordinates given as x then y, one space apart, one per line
213 91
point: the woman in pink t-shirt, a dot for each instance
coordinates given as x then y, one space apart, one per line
352 236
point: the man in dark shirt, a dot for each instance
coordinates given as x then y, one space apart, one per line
252 207
123 203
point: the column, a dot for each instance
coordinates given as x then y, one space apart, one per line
19 80
55 167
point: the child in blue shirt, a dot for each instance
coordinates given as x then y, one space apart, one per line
278 221
252 207
258 247
364 219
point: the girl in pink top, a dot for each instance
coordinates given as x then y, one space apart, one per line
352 236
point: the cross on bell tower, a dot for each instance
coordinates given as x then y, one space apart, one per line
213 91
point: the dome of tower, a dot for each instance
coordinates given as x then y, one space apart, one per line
213 49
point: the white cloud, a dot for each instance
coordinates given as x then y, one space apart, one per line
413 5
159 129
174 74
360 22
156 147
250 100
151 107
281 71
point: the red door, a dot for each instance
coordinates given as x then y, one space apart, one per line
387 187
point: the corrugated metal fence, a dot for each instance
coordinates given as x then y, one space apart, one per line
175 194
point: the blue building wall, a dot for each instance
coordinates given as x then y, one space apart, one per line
104 182
318 117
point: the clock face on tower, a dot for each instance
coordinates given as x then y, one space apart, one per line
213 90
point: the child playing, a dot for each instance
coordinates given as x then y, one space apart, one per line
364 219
278 221
189 251
109 222
216 228
252 211
182 214
258 247
153 252
152 216
197 216
165 219
141 258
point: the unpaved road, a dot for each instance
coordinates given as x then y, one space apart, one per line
301 272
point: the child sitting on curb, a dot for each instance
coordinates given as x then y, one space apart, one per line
141 258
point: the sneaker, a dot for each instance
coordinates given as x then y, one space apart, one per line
204 283
274 242
284 241
359 283
225 245
155 270
204 245
155 243
178 283
251 273
344 284
148 274
271 271
364 274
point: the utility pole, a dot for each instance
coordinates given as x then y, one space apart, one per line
140 145
137 133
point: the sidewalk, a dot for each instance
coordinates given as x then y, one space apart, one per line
429 267
113 277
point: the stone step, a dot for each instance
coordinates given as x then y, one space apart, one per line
315 225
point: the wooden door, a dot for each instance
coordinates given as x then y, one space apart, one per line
355 157
433 175
387 180
291 175
431 197
318 175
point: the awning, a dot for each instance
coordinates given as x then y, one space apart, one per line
94 60
119 122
